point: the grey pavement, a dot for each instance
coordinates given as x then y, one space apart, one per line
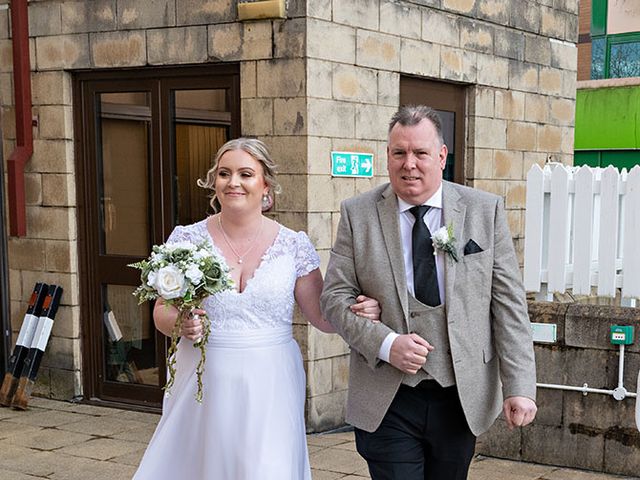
70 441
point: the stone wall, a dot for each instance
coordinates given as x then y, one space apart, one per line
595 431
518 61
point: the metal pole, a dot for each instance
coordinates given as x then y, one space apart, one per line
5 319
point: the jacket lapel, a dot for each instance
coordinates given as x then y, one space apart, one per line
388 215
453 214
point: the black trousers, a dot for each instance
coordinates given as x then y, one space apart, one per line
423 436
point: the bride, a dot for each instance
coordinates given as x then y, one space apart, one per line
250 425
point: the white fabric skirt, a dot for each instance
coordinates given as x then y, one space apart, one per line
250 425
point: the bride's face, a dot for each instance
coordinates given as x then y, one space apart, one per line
240 182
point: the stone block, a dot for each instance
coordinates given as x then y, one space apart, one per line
289 153
82 17
354 84
460 65
420 58
7 115
567 142
325 193
494 10
378 50
549 138
15 284
6 56
319 9
460 6
62 353
68 281
177 45
587 366
493 71
318 377
51 88
440 28
26 253
562 111
257 116
552 22
521 135
62 52
205 12
340 373
281 78
569 85
537 107
4 24
556 445
248 80
523 76
319 78
549 312
549 404
319 155
571 28
516 194
564 55
368 121
601 413
42 386
525 16
289 116
621 452
55 122
500 441
236 41
44 19
326 412
133 14
17 311
508 44
289 38
475 35
331 118
52 223
488 133
61 256
537 49
118 49
481 102
510 105
322 345
388 88
330 41
515 220
320 229
294 193
534 158
6 89
51 156
481 163
65 384
357 13
394 14
496 187
508 164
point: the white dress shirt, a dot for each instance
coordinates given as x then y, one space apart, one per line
433 220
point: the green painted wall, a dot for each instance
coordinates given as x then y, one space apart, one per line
608 118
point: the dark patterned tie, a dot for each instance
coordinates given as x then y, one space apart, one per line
425 277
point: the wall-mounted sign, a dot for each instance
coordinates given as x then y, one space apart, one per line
351 164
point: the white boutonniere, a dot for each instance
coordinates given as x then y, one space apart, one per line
443 239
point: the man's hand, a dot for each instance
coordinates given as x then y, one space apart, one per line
519 411
409 353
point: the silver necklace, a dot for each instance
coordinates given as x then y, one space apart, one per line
253 242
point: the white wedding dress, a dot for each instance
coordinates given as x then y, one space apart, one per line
250 425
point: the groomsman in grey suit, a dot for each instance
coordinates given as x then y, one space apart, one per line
453 347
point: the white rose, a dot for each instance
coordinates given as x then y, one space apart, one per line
441 236
169 282
151 278
194 274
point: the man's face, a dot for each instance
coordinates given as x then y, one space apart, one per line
415 161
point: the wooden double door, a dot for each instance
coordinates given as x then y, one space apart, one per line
144 138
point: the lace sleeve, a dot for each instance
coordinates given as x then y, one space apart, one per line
307 258
179 234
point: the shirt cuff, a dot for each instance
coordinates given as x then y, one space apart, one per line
385 348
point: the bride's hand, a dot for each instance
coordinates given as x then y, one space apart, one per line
366 307
192 327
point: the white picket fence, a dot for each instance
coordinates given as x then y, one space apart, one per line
583 230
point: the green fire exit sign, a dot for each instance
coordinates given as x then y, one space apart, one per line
351 164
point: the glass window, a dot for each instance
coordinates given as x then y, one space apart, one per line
598 46
624 60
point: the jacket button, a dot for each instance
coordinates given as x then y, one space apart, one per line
413 314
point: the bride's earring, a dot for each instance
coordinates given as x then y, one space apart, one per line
267 202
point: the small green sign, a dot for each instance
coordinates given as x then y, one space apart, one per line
351 164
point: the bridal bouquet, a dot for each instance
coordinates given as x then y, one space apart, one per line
183 274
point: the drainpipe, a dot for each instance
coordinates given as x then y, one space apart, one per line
24 135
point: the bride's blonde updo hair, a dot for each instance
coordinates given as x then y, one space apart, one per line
258 150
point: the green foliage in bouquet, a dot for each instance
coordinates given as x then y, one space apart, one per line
183 275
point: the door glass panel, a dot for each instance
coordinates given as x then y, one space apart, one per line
201 121
124 153
129 338
448 132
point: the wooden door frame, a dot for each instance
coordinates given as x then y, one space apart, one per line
5 315
158 81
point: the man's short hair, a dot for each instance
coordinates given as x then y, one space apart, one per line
409 115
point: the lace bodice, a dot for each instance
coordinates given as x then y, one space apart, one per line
267 300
